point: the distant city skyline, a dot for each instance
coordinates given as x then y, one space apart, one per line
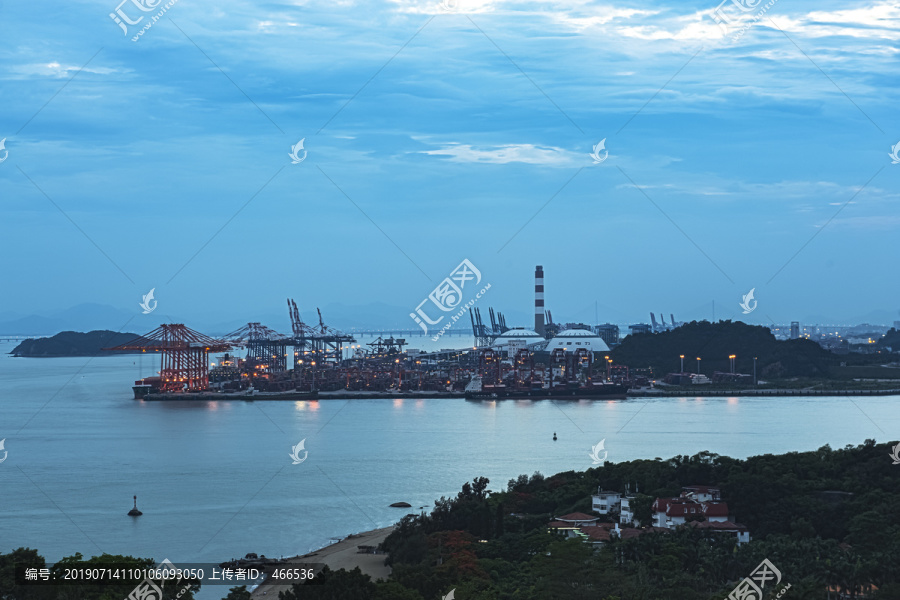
430 136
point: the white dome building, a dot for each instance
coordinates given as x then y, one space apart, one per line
572 339
520 337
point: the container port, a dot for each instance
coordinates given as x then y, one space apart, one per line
319 361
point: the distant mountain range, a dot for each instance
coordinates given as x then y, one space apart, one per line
375 315
91 317
83 317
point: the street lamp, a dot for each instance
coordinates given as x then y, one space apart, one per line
698 365
732 357
681 356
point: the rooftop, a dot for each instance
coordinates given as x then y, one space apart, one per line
577 516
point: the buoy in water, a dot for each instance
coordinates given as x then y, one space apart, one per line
554 436
134 512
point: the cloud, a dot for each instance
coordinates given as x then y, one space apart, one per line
509 153
58 70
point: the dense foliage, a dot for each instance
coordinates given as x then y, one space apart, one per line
824 518
79 590
891 340
714 342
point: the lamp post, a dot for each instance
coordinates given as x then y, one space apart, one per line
698 365
608 362
731 357
754 372
681 356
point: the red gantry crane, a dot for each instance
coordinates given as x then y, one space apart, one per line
184 361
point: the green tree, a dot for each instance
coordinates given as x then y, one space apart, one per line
238 593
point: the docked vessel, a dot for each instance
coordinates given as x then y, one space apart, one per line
145 386
567 375
607 391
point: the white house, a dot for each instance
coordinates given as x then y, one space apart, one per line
605 502
626 512
671 512
702 493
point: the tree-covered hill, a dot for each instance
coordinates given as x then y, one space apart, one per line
714 342
72 343
825 519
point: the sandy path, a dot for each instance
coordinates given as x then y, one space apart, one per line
340 555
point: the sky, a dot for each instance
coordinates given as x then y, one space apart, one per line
751 154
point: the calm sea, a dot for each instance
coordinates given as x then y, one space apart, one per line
215 480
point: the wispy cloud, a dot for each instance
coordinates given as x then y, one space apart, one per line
510 153
60 70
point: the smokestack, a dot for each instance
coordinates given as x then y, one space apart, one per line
539 299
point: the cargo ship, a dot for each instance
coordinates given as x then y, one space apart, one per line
476 390
145 386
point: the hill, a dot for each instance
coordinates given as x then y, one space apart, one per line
714 342
71 343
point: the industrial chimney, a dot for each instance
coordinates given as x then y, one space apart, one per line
539 299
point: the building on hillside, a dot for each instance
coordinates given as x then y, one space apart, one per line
671 512
740 532
640 328
702 493
609 333
569 524
577 519
601 533
605 501
626 512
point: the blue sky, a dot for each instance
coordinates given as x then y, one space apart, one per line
435 135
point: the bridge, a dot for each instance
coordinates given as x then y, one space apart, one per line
17 338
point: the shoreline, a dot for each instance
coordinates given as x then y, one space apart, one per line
639 393
343 554
658 393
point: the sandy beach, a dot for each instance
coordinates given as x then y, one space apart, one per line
340 555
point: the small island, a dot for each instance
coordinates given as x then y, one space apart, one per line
72 343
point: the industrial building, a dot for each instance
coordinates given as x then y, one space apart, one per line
571 339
